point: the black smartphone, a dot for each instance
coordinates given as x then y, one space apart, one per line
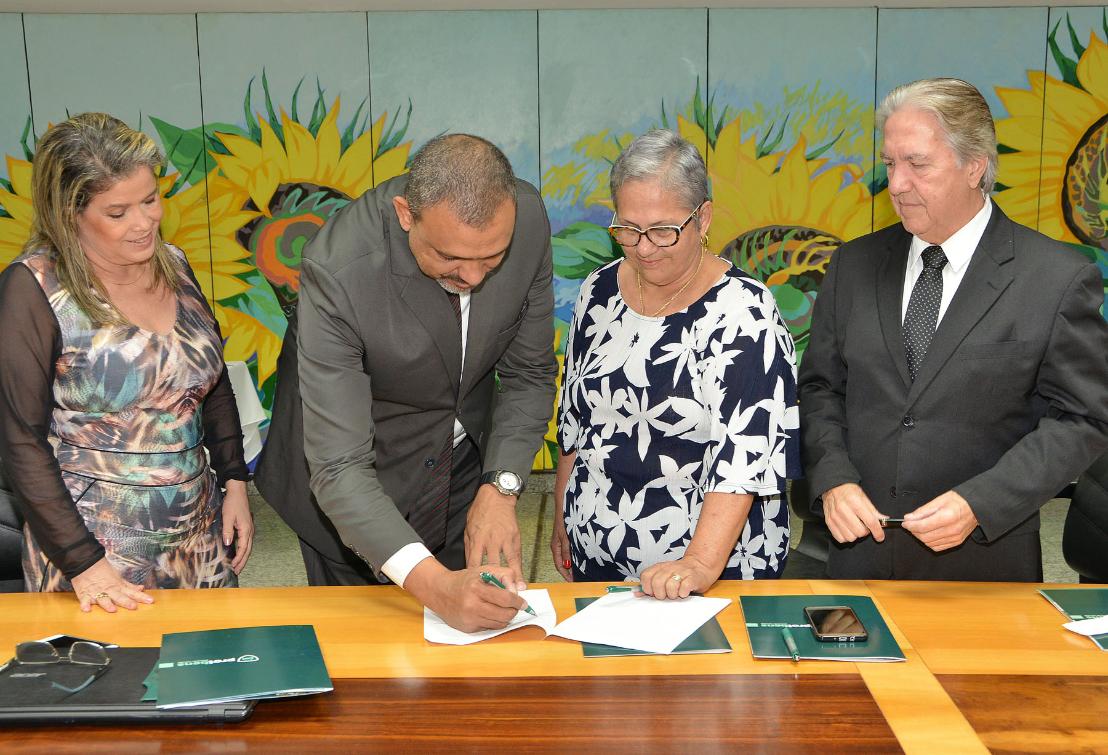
892 521
835 624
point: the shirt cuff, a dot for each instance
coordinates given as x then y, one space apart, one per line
401 563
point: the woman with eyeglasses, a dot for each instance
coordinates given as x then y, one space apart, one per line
115 406
678 421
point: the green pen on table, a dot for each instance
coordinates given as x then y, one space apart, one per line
790 643
489 579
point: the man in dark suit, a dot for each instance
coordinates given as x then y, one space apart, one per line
957 372
422 357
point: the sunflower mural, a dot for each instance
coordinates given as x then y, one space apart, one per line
780 216
242 201
270 187
15 201
1054 159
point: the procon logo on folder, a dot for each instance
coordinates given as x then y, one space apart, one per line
248 658
240 664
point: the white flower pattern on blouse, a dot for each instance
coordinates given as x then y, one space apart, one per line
662 411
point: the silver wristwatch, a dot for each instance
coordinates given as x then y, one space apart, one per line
508 483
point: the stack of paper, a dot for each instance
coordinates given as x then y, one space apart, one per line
627 620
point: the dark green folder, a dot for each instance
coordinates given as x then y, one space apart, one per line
766 616
246 663
1081 603
708 639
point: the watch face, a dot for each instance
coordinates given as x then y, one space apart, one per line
509 481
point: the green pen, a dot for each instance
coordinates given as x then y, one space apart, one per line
489 579
790 643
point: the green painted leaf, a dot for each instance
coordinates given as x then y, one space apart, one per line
1067 66
255 130
876 179
1078 48
259 302
580 248
28 149
183 148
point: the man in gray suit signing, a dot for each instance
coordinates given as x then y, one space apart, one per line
957 373
426 379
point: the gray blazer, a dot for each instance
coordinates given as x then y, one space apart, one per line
1010 404
375 359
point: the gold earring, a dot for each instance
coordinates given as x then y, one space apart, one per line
704 244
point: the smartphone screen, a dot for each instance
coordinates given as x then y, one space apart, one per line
835 624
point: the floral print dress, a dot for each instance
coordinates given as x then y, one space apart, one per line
663 410
126 430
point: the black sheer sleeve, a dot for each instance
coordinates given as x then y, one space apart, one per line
222 429
30 343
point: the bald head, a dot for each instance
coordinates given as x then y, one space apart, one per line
470 174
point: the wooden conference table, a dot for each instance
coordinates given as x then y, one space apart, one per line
989 667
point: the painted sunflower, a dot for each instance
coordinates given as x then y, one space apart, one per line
1054 168
15 219
277 191
780 217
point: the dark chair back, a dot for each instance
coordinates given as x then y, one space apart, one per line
815 538
1085 534
11 540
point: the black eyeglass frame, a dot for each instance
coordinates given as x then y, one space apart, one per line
615 228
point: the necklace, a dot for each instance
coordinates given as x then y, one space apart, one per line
642 302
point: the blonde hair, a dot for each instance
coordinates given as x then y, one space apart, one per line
74 161
962 113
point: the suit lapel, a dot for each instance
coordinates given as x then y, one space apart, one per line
890 291
986 278
427 301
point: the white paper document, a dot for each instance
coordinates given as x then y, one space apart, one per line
639 623
437 630
1089 627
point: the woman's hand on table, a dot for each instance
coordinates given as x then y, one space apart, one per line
101 585
559 548
669 580
238 523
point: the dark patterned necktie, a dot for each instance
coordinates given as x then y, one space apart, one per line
428 519
923 308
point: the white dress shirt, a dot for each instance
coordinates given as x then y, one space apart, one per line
958 249
400 564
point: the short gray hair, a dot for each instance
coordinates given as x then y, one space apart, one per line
469 173
962 113
663 156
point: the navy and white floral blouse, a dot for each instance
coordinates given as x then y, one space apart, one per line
663 410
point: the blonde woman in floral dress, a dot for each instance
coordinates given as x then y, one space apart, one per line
113 391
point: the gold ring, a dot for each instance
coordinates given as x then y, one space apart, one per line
676 577
100 595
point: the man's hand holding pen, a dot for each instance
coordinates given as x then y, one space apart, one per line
462 598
